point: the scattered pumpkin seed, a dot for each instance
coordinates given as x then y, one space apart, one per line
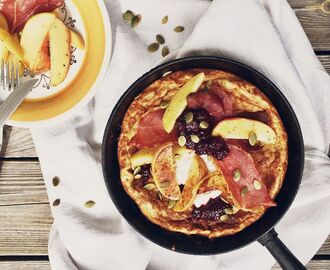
165 20
173 247
89 204
160 39
137 170
150 186
56 202
178 29
153 47
165 51
252 139
189 117
138 176
204 124
164 184
56 181
182 141
257 184
224 200
136 20
128 15
171 204
237 175
160 196
195 138
229 211
164 104
244 191
224 218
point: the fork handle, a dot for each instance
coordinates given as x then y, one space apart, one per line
14 100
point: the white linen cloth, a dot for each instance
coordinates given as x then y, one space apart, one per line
263 34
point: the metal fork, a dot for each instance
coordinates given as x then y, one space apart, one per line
9 75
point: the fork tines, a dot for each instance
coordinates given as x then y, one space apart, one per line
9 75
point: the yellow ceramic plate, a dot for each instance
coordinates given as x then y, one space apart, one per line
46 104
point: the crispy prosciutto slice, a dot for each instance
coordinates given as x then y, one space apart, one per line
151 132
215 101
244 180
17 12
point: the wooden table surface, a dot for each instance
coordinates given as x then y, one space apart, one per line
25 217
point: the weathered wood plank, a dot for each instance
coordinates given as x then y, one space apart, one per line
17 142
44 265
21 182
312 265
24 265
24 229
314 15
325 60
325 249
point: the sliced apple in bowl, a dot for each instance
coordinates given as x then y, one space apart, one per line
243 128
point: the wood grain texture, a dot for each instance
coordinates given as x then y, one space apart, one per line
21 182
17 142
24 229
325 60
44 265
25 265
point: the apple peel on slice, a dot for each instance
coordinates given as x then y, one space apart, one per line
163 172
242 128
179 101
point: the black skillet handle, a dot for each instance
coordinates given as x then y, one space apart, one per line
280 252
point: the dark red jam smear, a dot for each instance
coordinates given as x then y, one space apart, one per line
212 211
145 173
208 145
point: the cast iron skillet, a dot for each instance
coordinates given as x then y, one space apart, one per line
262 230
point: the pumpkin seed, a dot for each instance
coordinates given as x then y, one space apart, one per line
128 15
204 124
153 47
138 176
137 170
257 184
237 175
182 141
160 196
178 29
160 39
229 211
150 186
166 73
189 117
244 191
195 138
165 20
224 218
171 204
56 202
164 184
252 139
56 181
164 104
136 20
89 204
165 51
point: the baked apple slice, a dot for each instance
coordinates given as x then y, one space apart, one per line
34 42
59 45
3 49
163 172
243 128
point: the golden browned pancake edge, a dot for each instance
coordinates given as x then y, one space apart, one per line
271 162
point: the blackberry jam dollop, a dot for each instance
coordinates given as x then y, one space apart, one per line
212 211
145 173
196 128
